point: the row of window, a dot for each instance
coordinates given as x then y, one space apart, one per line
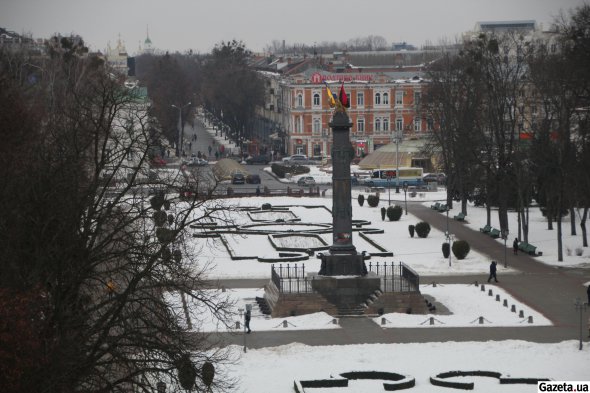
381 124
380 98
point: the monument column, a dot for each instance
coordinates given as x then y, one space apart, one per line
343 260
342 155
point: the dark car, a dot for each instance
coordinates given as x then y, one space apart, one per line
253 179
262 159
158 162
238 178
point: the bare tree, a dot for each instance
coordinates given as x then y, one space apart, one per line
89 259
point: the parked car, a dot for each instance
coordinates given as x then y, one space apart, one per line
306 181
253 179
238 178
261 159
158 162
300 159
195 161
440 178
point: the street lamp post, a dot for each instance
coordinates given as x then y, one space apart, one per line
580 306
180 128
406 197
397 140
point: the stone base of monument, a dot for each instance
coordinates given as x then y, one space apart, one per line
347 293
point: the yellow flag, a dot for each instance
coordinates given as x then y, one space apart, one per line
331 99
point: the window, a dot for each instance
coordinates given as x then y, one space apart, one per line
298 125
360 99
399 124
316 99
385 99
360 126
316 126
430 124
385 124
299 100
377 125
399 98
417 98
417 124
377 98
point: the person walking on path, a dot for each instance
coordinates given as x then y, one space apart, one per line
515 246
588 293
493 268
247 319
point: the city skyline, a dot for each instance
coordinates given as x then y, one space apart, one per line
182 25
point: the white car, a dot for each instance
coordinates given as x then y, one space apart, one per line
306 181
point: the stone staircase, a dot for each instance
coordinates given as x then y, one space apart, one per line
263 305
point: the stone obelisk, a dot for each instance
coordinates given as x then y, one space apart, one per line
343 259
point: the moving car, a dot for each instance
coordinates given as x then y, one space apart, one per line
306 181
238 178
261 159
253 179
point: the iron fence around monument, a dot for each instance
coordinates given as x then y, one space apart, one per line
291 279
394 277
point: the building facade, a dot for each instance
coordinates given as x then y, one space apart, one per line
383 106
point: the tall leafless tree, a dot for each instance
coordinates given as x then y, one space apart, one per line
90 260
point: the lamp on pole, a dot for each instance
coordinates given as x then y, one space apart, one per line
580 306
397 140
505 237
180 128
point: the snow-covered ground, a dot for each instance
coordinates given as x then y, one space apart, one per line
275 369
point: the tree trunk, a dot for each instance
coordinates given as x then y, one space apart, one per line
464 205
549 221
573 221
559 240
583 226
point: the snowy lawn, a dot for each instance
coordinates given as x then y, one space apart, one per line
275 369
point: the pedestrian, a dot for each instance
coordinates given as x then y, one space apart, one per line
247 319
515 246
168 153
588 293
493 267
257 190
190 146
210 148
216 155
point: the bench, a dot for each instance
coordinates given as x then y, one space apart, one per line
494 233
528 248
435 206
459 217
485 229
443 208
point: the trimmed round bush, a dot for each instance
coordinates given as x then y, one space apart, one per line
373 200
361 199
412 230
422 229
160 218
383 213
266 206
461 249
394 213
446 249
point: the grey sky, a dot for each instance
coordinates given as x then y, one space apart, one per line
179 25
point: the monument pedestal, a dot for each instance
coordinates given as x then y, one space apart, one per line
347 293
343 265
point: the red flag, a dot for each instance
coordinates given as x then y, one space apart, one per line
343 97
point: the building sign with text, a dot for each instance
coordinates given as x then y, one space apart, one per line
317 78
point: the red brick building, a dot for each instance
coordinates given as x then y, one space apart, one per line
382 103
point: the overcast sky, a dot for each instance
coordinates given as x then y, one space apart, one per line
179 25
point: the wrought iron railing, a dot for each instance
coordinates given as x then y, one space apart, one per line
394 277
291 279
